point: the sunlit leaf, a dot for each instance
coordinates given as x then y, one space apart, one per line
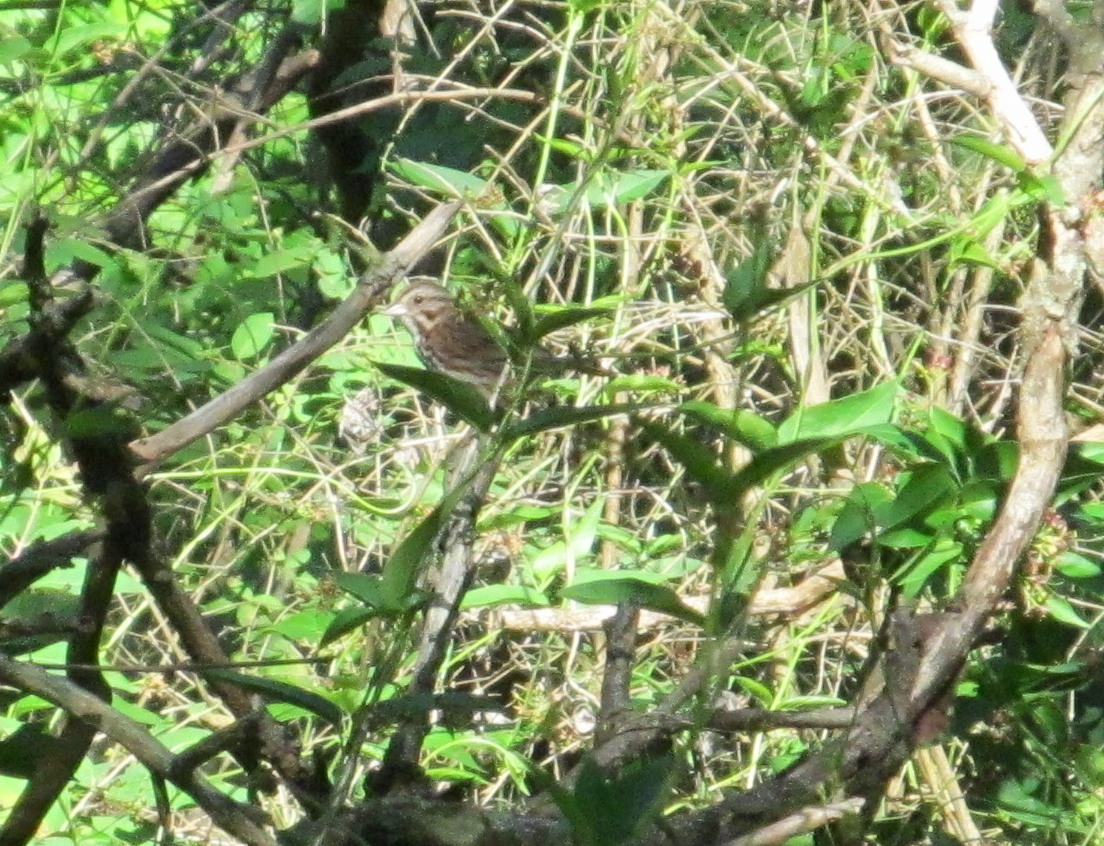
447 180
642 383
923 487
1073 565
458 396
999 153
845 416
1062 611
364 586
412 556
564 317
740 425
602 587
253 335
13 47
348 620
913 576
490 595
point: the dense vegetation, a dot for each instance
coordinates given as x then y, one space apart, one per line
804 546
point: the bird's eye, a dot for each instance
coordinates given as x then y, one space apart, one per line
418 299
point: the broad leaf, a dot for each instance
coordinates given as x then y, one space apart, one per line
842 417
997 152
400 573
491 595
564 317
364 586
740 425
458 396
612 587
253 335
446 180
348 620
701 463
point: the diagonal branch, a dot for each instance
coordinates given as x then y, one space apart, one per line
974 32
94 714
395 265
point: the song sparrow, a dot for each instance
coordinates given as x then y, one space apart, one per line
456 344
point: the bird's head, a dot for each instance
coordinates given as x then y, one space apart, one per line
421 305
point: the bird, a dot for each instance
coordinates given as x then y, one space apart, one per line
454 343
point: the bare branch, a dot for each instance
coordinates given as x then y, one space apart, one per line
802 822
243 821
368 292
974 31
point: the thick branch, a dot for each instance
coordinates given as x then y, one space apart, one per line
973 30
235 818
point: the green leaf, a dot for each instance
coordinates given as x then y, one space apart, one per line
625 188
913 576
603 192
966 250
1045 188
856 518
905 539
306 626
400 573
447 180
946 424
1061 610
21 753
611 807
66 250
182 345
740 425
925 486
643 383
73 37
842 417
491 595
997 152
578 542
746 284
458 396
761 693
278 691
364 586
253 335
516 298
99 421
560 416
1075 566
13 47
281 261
311 12
563 317
701 463
777 459
571 149
347 620
12 293
606 587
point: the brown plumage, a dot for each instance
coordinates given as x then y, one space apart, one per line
456 344
447 340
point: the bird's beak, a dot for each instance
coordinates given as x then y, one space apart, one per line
397 309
